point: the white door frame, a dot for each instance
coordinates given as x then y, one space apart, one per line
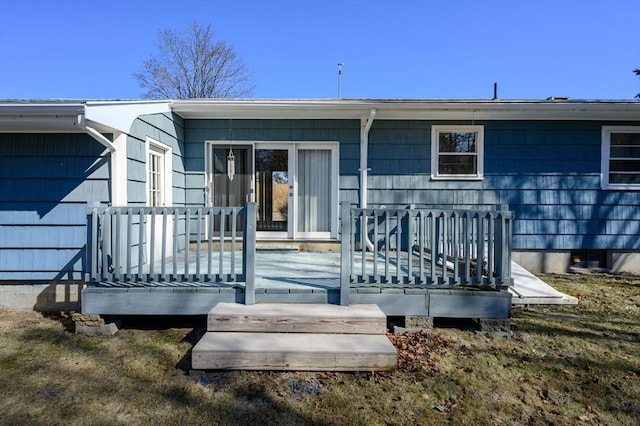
335 189
292 148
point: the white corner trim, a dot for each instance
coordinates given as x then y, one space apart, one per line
119 174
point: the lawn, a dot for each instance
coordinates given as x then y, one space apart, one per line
564 365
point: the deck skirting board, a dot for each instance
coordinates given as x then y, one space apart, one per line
450 303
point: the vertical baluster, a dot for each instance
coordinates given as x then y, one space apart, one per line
387 243
118 243
211 224
508 235
141 243
375 246
352 244
399 279
221 275
106 244
152 245
420 242
480 248
433 246
199 276
490 248
363 243
96 272
234 217
176 221
410 239
129 246
187 238
455 238
163 261
467 247
445 251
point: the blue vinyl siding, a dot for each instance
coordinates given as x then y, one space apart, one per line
46 183
346 132
167 129
548 172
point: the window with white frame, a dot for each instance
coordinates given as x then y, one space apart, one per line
621 157
159 171
457 152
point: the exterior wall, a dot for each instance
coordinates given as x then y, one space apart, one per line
548 172
167 129
346 132
46 183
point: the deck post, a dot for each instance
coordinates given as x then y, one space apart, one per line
249 254
345 252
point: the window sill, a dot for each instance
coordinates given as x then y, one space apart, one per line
454 177
622 187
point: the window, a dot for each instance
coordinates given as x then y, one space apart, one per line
457 152
155 178
620 157
159 171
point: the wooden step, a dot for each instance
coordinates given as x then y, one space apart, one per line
293 351
297 318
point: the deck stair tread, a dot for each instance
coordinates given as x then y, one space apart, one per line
293 351
297 318
287 336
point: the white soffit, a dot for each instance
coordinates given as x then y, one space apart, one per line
62 116
120 115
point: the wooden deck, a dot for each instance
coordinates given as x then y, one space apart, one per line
292 277
183 261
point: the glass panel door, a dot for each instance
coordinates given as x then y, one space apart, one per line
314 190
229 179
273 189
230 184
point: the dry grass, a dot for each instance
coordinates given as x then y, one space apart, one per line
565 365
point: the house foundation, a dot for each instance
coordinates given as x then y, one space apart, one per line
43 297
563 261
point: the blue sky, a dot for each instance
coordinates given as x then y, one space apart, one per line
583 49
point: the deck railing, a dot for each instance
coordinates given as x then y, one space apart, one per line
173 244
428 247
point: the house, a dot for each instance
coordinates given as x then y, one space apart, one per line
568 170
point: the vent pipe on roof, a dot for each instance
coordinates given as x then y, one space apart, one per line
495 90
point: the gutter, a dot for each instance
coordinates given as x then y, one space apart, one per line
365 126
